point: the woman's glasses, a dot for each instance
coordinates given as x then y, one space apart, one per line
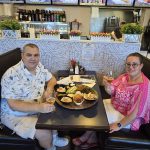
134 65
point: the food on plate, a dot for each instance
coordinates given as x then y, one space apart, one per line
83 88
66 100
90 96
71 84
61 94
61 89
71 90
78 99
70 95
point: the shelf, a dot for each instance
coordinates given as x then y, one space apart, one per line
43 23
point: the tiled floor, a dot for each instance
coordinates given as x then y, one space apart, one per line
72 147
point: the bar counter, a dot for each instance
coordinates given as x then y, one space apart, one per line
93 55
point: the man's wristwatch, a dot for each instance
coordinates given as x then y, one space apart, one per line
119 125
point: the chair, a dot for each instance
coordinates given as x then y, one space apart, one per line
7 139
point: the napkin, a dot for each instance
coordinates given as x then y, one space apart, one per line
65 81
90 84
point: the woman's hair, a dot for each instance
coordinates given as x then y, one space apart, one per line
136 55
30 45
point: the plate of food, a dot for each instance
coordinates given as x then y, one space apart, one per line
76 96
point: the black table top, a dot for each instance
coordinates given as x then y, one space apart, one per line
93 118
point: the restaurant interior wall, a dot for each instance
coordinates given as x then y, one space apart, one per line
145 16
98 24
82 14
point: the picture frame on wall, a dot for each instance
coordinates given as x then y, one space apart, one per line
12 1
142 3
120 2
65 2
93 2
38 1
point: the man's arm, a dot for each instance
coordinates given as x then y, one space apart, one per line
50 87
22 106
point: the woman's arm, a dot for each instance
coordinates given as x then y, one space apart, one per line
126 120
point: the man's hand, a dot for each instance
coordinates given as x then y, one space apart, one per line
48 93
46 108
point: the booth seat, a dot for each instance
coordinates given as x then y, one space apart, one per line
8 140
126 139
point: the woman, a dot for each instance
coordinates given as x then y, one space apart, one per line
129 106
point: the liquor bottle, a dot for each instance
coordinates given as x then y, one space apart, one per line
64 17
46 15
49 16
61 16
42 15
32 15
55 16
29 15
23 15
20 14
37 17
52 16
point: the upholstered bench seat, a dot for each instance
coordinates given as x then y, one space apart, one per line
126 139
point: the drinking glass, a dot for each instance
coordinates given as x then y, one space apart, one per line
109 76
51 100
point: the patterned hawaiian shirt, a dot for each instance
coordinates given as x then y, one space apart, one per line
18 83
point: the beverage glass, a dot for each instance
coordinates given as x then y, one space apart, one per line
109 77
51 100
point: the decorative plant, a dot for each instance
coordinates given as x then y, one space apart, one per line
131 28
10 24
75 32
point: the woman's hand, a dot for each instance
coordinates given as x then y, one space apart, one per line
114 127
46 108
107 84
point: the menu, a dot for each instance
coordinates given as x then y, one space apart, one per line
12 1
120 2
67 2
39 1
92 2
142 3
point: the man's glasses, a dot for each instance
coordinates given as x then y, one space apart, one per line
134 65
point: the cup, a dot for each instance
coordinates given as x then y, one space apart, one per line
108 78
51 100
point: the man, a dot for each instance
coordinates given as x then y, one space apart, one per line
23 97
